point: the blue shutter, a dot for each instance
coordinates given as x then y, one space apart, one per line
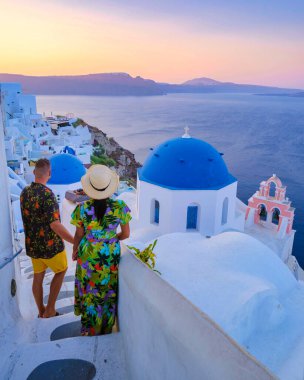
156 212
192 217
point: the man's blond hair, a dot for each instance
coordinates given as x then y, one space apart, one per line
42 168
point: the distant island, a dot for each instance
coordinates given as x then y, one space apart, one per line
123 84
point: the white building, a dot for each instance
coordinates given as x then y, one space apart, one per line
28 136
19 117
15 104
185 185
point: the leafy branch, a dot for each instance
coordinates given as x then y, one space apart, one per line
147 256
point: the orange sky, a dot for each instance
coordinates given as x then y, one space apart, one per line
54 39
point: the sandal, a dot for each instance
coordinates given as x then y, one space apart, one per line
56 315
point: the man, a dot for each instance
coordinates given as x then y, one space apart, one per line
44 235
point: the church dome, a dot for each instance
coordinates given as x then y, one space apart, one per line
186 164
65 169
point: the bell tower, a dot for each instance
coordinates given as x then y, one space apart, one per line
269 217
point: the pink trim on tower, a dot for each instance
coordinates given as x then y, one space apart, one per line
278 201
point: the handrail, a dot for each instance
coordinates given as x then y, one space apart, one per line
7 260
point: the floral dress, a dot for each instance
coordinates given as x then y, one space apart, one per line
96 279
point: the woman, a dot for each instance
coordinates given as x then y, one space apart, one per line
97 250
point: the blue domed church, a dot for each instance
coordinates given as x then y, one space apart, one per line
184 185
66 172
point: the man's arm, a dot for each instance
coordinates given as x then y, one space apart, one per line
61 231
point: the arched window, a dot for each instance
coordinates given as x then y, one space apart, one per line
263 212
272 189
192 215
225 211
155 211
275 216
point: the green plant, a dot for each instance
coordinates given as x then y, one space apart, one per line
98 150
78 122
99 157
102 161
147 256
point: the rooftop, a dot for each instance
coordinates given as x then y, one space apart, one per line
244 287
65 169
186 163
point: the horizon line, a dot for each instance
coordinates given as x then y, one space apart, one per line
158 82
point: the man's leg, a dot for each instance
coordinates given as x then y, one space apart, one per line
38 291
56 283
59 265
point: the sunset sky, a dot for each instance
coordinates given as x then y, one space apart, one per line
245 41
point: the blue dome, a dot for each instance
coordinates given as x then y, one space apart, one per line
68 149
186 164
65 169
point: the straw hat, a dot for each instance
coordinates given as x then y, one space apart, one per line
99 182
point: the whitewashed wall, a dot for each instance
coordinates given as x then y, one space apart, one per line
167 338
28 104
8 305
60 190
11 92
174 204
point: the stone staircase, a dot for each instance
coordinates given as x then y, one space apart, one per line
53 348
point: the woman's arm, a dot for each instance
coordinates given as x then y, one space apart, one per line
125 232
78 236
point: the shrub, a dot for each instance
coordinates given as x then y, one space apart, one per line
147 256
78 122
103 160
99 150
99 157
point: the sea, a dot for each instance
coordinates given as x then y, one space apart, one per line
259 135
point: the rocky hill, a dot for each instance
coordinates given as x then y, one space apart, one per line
201 82
124 163
106 84
123 84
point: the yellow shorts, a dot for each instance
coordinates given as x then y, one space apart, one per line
57 264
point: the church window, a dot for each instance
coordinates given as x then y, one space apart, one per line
225 211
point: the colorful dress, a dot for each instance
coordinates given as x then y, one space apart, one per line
96 279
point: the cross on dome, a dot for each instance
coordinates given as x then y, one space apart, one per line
186 134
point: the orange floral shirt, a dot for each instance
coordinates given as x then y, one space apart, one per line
39 208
